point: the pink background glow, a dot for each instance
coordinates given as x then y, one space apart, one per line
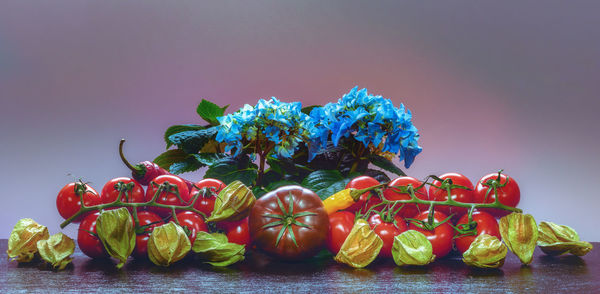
491 86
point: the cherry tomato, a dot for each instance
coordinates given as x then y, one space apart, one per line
192 223
340 225
486 224
440 237
366 200
509 195
409 210
152 220
168 197
459 195
208 189
87 238
239 232
387 231
110 191
68 201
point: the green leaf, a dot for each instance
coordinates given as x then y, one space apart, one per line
178 129
189 165
326 182
169 157
210 111
306 110
192 141
378 175
274 185
208 158
385 164
229 169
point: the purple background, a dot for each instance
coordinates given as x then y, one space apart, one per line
491 86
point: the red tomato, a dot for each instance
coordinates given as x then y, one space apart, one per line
239 232
440 237
387 231
486 224
68 201
152 220
366 200
208 189
87 238
110 191
509 195
192 223
340 225
409 210
459 195
168 197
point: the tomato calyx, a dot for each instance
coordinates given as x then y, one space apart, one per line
494 184
286 220
430 224
168 188
466 229
145 229
124 189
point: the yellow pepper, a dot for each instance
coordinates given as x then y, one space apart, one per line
345 198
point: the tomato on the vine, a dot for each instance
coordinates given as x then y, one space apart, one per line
239 233
457 194
340 225
207 190
392 194
387 230
129 189
68 201
367 199
178 195
87 237
151 220
486 224
192 223
509 193
440 237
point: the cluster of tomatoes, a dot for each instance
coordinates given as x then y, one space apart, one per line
68 203
450 228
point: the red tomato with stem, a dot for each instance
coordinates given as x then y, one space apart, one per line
239 232
148 221
509 193
130 190
392 194
68 201
367 199
192 223
207 191
486 224
440 237
87 237
457 194
387 230
340 225
178 193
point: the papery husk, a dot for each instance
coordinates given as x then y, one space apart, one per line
361 246
168 244
559 239
486 251
233 203
520 233
216 249
412 248
116 231
57 250
22 243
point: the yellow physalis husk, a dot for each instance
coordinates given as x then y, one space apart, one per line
216 249
168 244
412 248
233 203
557 239
486 252
22 243
361 246
57 250
520 233
116 231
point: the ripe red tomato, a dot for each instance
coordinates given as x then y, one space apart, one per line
68 201
509 195
208 189
459 195
192 223
366 200
87 238
239 233
168 197
387 231
409 210
110 191
340 225
486 224
152 220
440 237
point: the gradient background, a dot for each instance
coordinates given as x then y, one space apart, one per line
491 85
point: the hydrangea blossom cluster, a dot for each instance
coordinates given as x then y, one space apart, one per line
281 124
372 120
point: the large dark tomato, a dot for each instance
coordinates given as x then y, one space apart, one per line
440 237
387 231
131 191
509 194
486 224
87 237
458 194
151 220
289 223
408 210
239 233
340 225
68 201
168 197
192 223
207 191
366 200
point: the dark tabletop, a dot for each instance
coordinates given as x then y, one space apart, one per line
257 274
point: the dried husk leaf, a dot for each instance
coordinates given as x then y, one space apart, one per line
412 248
116 231
559 239
216 249
233 203
520 233
361 246
168 244
22 243
486 251
57 250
